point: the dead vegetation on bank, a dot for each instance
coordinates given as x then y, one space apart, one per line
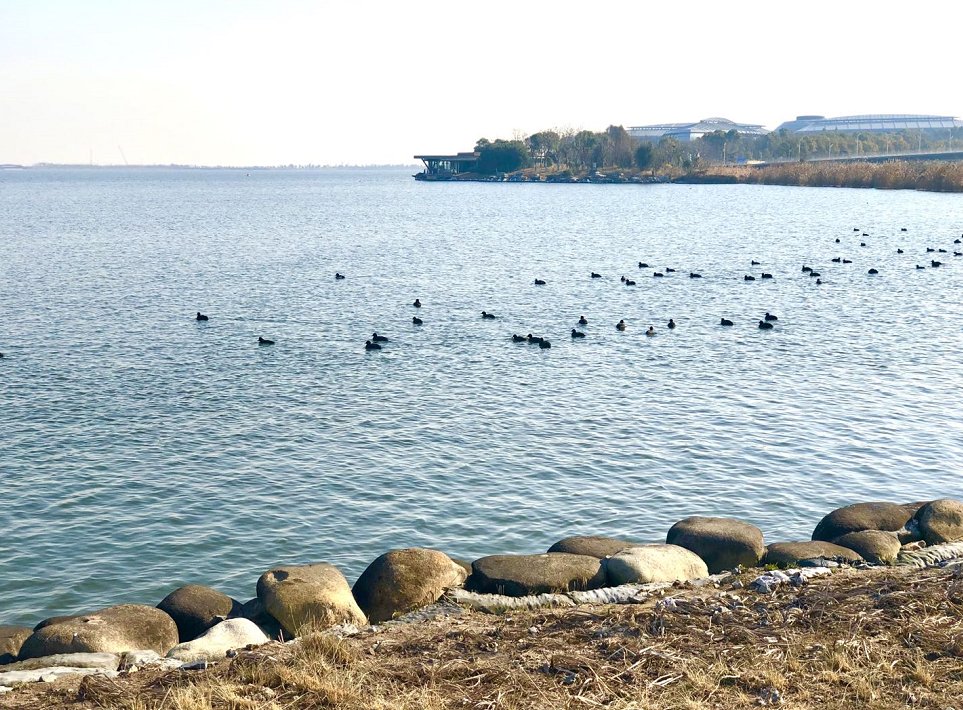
869 639
936 176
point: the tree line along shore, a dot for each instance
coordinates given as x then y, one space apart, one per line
778 158
595 612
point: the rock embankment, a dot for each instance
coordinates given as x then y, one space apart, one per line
198 625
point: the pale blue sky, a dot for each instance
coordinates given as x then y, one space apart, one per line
296 81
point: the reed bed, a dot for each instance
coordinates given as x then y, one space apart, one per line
935 176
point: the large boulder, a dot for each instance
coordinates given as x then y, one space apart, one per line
11 639
195 609
404 580
864 516
940 521
790 554
723 543
50 620
591 545
876 546
521 575
314 595
116 629
653 563
214 643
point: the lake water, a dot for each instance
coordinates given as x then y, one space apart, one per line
140 449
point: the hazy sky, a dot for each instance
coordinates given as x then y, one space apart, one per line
244 82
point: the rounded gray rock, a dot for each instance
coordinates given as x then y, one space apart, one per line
591 545
863 516
126 627
315 595
11 639
522 575
723 543
196 608
876 546
400 581
941 521
790 554
645 564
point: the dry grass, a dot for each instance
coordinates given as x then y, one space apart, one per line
879 639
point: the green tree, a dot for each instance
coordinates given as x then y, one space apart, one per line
644 155
501 156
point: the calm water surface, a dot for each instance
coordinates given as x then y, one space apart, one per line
140 450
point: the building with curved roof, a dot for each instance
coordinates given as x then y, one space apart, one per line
692 131
871 123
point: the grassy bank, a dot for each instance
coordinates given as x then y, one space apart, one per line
937 176
880 638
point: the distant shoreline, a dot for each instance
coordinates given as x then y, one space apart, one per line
81 166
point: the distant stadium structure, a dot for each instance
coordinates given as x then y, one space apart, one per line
871 123
691 131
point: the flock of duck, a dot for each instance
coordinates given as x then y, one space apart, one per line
765 323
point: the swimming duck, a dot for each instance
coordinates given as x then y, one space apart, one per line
847 261
488 316
837 260
770 316
368 345
669 271
577 334
902 229
534 338
643 265
694 275
815 274
539 282
201 316
658 275
650 332
929 249
806 268
417 303
864 234
337 276
620 325
855 229
764 325
862 244
596 276
753 262
544 344
957 241
747 277
671 324
264 341
622 279
837 240
934 264
920 267
582 321
518 338
629 282
941 251
726 321
873 272
819 282
415 320
375 338
767 276
958 253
